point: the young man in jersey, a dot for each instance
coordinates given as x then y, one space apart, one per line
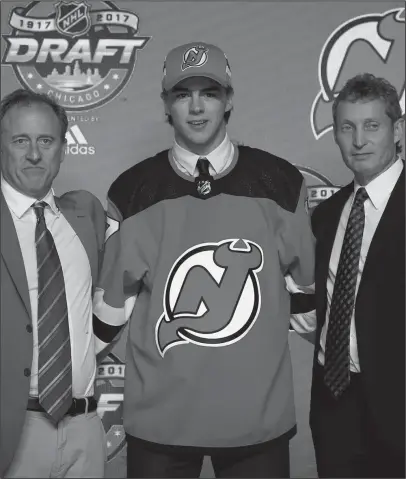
201 237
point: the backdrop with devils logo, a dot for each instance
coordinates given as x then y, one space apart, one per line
287 61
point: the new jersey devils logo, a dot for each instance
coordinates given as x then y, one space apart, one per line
212 296
194 57
371 43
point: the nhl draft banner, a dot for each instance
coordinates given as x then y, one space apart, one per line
103 61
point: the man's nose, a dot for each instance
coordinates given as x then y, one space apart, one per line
196 104
358 138
33 154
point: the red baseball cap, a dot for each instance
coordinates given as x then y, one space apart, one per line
196 59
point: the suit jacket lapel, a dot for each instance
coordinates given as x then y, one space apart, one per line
388 227
81 222
11 252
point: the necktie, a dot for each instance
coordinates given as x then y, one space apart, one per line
337 357
54 351
203 181
203 167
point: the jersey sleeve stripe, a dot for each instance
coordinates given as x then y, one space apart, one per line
104 332
302 303
105 313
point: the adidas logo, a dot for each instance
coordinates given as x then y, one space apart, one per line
77 143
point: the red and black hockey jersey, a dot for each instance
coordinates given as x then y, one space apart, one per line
208 361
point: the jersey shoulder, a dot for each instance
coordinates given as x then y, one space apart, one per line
282 180
135 181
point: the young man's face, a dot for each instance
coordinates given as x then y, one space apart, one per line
197 106
366 137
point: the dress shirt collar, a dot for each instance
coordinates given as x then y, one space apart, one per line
381 187
19 203
217 158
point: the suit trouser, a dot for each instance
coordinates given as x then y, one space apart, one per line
145 459
76 447
345 440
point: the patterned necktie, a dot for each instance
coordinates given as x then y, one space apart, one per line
54 351
203 181
337 354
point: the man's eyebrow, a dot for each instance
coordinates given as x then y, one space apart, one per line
25 135
365 120
211 88
184 89
19 135
179 89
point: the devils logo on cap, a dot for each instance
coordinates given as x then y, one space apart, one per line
194 57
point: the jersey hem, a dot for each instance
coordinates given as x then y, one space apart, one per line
209 450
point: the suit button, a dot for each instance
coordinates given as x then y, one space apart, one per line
29 328
27 372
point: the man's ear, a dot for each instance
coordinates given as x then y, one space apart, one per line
164 97
229 100
63 150
399 130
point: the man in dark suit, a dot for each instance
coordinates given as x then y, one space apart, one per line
357 413
51 249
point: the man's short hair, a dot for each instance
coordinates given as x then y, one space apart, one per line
23 97
367 87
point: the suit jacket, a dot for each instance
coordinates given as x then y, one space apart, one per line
86 215
379 308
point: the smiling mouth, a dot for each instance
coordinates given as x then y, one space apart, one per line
197 123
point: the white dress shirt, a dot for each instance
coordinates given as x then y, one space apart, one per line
220 158
78 284
379 191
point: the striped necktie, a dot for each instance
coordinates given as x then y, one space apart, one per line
54 350
337 357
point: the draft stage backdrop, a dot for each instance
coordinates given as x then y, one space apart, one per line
103 60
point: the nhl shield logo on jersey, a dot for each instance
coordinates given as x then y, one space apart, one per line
194 57
212 295
204 187
72 18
